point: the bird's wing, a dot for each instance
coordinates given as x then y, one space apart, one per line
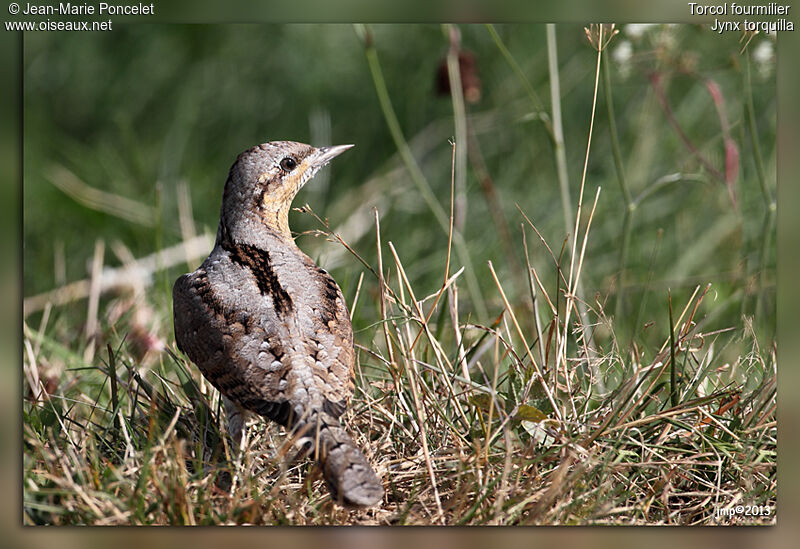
230 346
332 344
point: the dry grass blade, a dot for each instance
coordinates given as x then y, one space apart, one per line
134 275
539 375
413 375
95 282
116 205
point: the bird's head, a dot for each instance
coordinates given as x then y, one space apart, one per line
265 179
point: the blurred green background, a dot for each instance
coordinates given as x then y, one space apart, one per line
141 111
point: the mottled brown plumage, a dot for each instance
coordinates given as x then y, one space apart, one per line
267 326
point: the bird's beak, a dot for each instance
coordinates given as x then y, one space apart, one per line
324 155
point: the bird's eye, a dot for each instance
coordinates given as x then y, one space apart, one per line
288 164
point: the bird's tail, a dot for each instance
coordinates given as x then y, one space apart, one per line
347 472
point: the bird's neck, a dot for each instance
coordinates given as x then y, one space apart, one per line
262 229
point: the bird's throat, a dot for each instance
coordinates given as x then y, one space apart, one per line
276 218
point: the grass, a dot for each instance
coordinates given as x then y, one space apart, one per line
544 377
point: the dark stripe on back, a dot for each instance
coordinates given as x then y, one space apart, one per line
258 261
328 306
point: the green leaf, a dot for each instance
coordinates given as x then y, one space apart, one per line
530 413
484 402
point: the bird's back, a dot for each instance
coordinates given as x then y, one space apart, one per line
267 326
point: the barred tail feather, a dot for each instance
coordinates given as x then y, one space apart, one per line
347 472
